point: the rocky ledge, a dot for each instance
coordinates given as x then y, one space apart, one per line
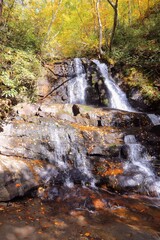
64 144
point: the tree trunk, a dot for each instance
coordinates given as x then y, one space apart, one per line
100 27
115 8
1 8
51 22
148 5
129 12
139 8
10 8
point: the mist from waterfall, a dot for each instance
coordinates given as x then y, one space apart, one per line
118 99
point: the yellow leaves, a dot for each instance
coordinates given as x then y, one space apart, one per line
98 204
87 234
109 169
75 20
60 224
113 172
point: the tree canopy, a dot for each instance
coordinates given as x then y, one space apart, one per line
67 28
119 31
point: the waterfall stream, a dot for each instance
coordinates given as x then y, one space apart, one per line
90 171
118 98
154 118
138 171
78 84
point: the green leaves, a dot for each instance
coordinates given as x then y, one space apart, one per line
18 73
12 93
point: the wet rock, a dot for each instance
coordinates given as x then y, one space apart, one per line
156 130
76 176
75 110
56 79
81 149
69 145
16 177
124 152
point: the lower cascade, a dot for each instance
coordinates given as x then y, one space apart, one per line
154 118
138 170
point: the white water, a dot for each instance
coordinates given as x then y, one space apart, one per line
138 169
118 98
154 118
62 143
78 84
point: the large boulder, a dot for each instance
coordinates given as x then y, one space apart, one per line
17 176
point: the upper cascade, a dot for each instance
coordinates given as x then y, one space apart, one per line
118 99
78 84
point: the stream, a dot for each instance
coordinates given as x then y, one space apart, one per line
96 166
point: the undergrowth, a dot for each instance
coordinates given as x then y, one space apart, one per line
136 54
18 73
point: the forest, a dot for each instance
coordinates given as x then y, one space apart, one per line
124 33
79 119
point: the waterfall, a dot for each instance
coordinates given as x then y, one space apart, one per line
78 84
154 118
63 149
118 98
138 170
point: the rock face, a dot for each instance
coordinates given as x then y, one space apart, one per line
17 176
56 143
139 100
50 144
62 75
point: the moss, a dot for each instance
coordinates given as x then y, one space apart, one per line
5 108
146 87
105 102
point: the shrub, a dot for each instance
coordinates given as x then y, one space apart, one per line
18 73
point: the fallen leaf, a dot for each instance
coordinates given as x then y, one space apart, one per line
18 185
87 234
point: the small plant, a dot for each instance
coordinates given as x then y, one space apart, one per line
18 74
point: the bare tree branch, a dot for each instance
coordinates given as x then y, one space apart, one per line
54 89
115 8
51 22
111 3
100 27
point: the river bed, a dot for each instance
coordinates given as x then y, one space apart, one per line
81 214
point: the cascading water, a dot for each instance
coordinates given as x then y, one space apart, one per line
66 149
78 84
138 170
154 118
118 98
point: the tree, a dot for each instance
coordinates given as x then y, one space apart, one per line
115 8
100 27
54 14
1 7
129 12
